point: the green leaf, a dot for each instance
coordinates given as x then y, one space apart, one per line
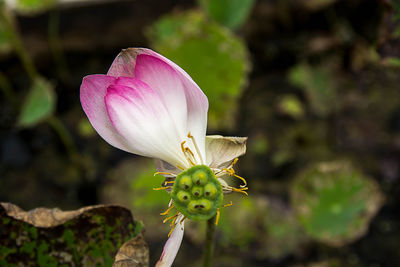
39 104
230 13
216 60
335 202
34 6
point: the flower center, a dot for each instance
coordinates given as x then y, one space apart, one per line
196 193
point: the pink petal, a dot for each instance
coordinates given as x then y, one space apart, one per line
176 88
139 116
92 93
172 246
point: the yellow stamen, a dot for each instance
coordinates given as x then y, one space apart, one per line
233 163
172 229
180 167
188 153
240 190
184 217
167 211
170 217
228 205
173 221
231 172
166 173
217 217
169 182
162 188
196 147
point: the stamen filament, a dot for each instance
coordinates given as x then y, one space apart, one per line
170 217
173 221
240 190
233 163
231 172
228 205
172 229
168 210
196 147
187 152
180 167
217 217
162 188
166 173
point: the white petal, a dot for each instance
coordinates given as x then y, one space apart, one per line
221 151
163 166
172 246
176 89
139 115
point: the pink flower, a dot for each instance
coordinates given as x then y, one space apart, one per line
147 105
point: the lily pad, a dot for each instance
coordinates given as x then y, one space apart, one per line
39 104
335 202
230 13
216 59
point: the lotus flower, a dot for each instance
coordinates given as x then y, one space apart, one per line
148 105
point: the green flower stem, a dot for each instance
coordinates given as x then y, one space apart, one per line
64 135
56 45
209 243
7 19
7 89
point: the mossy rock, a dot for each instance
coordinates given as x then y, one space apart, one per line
90 236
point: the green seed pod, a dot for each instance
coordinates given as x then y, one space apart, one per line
197 193
185 182
210 191
200 177
183 196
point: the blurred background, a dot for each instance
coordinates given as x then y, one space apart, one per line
314 84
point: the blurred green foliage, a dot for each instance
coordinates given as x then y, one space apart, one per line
34 6
318 83
39 103
291 105
396 7
230 13
144 197
236 222
283 233
5 41
335 202
215 58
